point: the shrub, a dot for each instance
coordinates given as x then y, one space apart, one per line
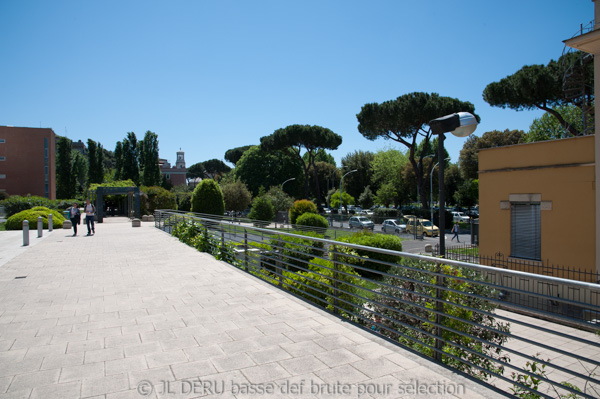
317 286
312 220
262 209
298 251
156 198
15 222
236 196
208 198
368 239
412 290
387 213
301 207
16 203
184 201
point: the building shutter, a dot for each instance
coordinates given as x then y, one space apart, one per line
525 235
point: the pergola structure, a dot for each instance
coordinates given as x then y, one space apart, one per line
133 200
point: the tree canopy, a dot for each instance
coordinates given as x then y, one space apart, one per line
547 126
233 155
539 86
355 183
215 168
469 155
299 138
405 120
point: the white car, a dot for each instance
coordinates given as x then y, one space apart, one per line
460 217
393 226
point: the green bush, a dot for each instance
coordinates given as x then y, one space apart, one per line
15 222
412 291
16 203
156 198
368 239
312 220
208 198
298 251
184 201
387 213
262 209
317 286
301 207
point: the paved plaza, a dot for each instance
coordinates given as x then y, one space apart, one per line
133 313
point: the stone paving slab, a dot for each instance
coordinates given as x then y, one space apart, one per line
133 313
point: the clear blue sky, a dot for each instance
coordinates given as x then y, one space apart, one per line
207 76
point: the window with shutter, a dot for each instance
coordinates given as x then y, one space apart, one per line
525 234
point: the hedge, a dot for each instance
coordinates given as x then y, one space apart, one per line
16 203
301 207
15 222
368 239
312 220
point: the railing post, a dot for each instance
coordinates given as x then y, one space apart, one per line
439 318
245 250
279 266
334 283
40 226
50 222
25 233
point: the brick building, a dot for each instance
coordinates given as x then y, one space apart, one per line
175 175
27 161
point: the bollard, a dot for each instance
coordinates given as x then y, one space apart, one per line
50 222
25 233
40 226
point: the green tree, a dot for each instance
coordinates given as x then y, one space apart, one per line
149 159
299 138
65 180
258 168
236 196
196 171
208 198
79 172
92 162
366 199
541 87
387 194
405 120
355 183
262 209
347 199
321 156
215 168
467 194
387 174
452 181
280 200
130 150
118 161
469 155
233 155
547 126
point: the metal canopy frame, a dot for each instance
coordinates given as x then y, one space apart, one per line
133 194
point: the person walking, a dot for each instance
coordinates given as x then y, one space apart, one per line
75 217
90 211
455 229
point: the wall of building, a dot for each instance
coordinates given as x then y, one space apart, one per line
26 165
561 174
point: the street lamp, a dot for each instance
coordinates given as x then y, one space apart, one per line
293 178
341 186
431 190
427 156
460 124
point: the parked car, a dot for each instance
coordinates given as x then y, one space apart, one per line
422 226
393 226
459 217
361 222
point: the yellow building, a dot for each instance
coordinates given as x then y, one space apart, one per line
537 203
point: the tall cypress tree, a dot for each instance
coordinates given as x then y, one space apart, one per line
92 162
65 180
130 159
119 161
149 159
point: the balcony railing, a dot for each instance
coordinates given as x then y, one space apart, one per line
445 309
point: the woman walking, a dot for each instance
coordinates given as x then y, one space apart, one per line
75 217
455 229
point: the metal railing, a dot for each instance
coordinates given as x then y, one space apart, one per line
444 309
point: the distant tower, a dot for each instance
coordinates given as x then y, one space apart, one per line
180 164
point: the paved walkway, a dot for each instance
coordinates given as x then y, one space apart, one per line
132 313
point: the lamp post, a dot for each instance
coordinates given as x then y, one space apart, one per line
293 178
431 190
460 124
341 203
419 163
